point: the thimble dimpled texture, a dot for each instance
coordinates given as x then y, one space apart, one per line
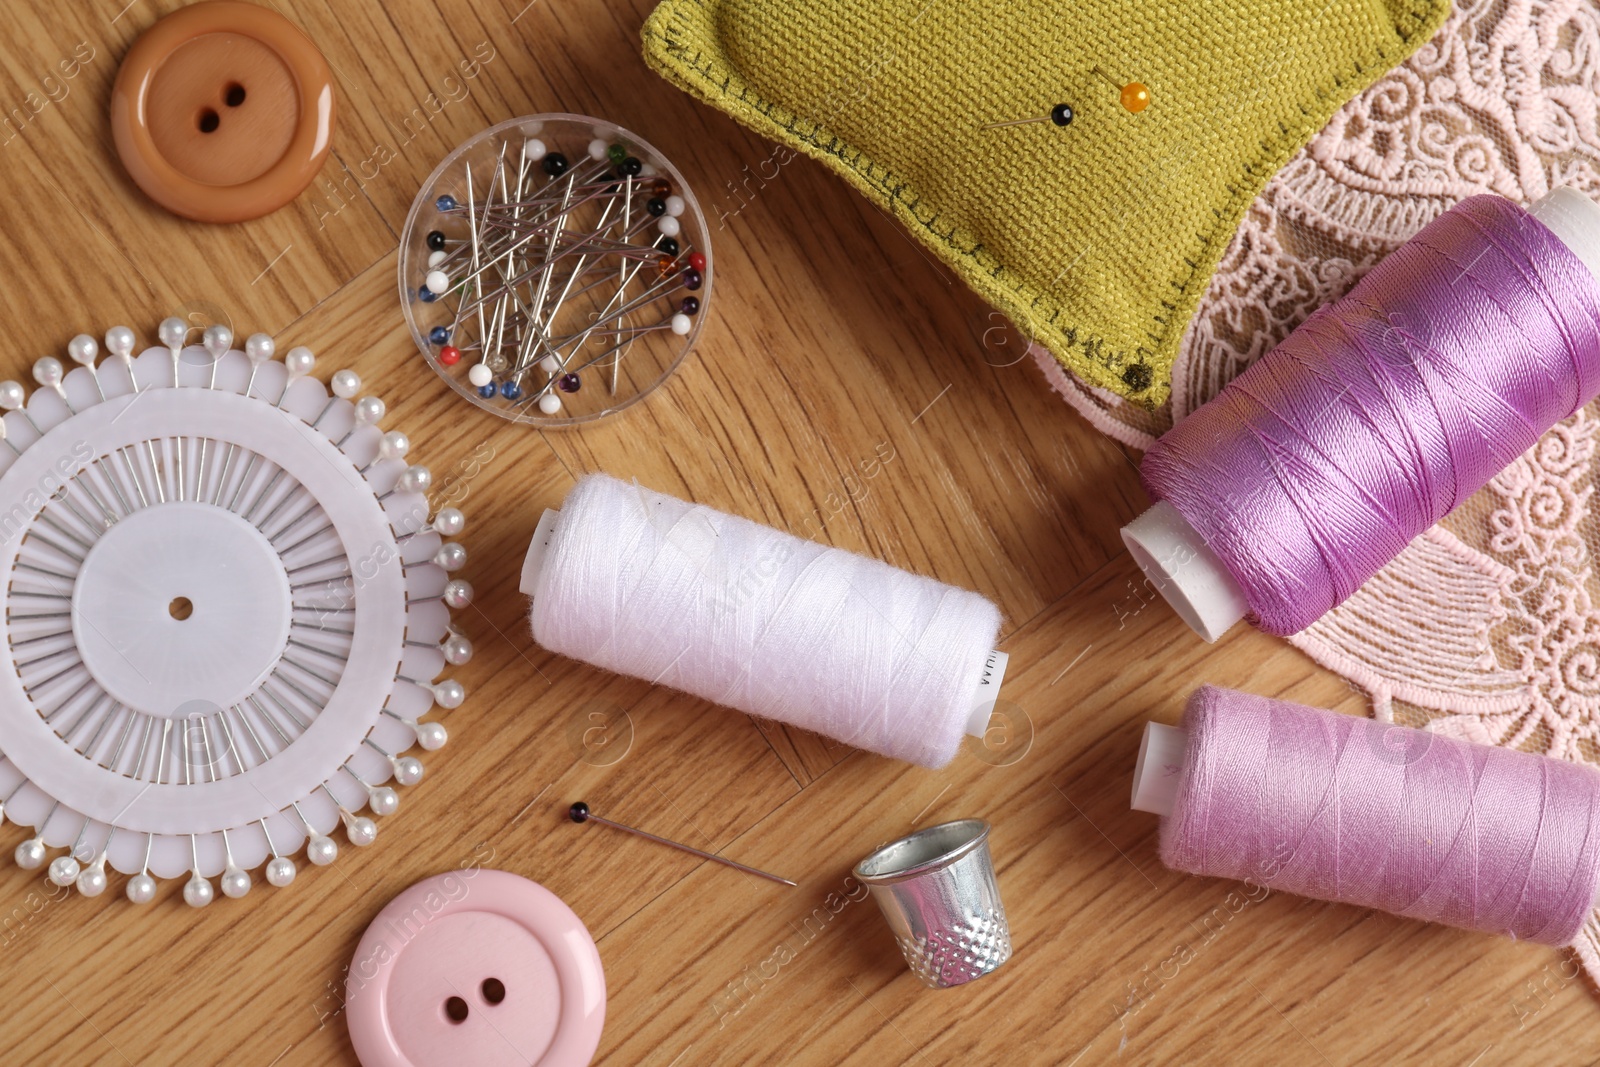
954 957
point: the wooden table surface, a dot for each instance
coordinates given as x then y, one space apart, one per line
832 339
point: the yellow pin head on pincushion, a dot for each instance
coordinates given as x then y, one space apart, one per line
1097 235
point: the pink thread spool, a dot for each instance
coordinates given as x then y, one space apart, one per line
1383 411
1342 808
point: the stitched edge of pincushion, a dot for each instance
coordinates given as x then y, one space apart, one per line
670 48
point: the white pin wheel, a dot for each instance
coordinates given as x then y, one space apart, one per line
204 615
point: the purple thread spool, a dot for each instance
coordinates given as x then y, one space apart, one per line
1381 413
1342 808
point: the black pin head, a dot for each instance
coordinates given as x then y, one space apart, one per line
1061 114
579 812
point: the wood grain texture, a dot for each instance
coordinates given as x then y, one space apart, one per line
832 340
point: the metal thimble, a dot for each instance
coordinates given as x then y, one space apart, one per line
936 888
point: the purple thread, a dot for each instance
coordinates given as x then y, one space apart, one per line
1385 409
1342 808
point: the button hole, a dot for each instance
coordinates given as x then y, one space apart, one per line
209 121
234 95
494 990
456 1009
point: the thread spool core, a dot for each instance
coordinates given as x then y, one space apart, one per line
1155 776
533 562
1181 566
985 692
1575 219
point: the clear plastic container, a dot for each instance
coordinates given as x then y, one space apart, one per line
575 280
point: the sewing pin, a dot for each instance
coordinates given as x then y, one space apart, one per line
580 812
624 276
1061 115
141 887
381 799
63 870
344 385
297 364
280 869
82 350
91 879
120 342
320 848
30 855
173 332
14 398
216 339
1134 96
408 770
49 372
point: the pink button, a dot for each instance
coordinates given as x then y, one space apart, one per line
476 967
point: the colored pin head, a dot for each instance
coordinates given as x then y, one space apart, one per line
1134 96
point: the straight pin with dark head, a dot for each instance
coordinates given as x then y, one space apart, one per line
580 812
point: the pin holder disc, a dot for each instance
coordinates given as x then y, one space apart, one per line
225 611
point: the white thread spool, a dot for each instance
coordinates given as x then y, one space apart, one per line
755 619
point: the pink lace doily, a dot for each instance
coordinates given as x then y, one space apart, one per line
1486 626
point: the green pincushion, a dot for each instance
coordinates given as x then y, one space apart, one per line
1098 238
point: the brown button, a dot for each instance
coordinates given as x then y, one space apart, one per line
223 111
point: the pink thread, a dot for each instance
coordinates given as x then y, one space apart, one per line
1385 410
1341 808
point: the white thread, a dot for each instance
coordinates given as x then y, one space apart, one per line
755 619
